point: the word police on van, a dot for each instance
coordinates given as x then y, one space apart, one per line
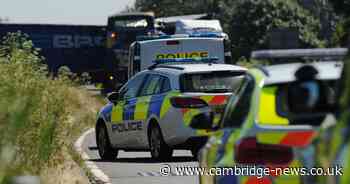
150 48
199 54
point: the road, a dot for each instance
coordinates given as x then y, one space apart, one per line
137 167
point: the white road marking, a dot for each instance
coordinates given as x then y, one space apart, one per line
157 174
147 174
98 173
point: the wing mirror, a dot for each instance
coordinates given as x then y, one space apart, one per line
203 121
113 97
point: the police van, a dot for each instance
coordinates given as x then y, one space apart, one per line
147 49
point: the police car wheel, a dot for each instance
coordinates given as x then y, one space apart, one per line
159 149
105 149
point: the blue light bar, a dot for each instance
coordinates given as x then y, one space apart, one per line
186 60
208 35
300 53
156 37
194 35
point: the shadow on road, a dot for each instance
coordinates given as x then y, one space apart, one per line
143 159
147 160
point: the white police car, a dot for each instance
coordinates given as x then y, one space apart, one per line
274 117
153 109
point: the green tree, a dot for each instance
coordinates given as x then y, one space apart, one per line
341 7
166 8
249 23
341 34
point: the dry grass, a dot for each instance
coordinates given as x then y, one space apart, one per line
40 117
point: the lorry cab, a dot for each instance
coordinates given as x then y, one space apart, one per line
146 50
122 29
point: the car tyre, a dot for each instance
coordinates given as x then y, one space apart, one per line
105 150
160 151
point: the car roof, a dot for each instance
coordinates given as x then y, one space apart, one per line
283 73
179 37
135 14
178 69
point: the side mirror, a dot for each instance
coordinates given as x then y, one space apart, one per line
203 121
113 97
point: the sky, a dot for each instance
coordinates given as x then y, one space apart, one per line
86 12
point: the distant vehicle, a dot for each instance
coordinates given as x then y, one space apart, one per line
150 48
168 24
80 48
153 109
277 110
101 51
97 50
122 30
193 27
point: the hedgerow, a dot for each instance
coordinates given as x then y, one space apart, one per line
39 114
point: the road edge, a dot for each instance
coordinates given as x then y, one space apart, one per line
96 172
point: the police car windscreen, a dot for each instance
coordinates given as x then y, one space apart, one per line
211 82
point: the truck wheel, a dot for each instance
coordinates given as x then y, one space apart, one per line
105 150
160 151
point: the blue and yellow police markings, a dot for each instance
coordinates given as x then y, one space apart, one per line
267 110
133 112
130 115
129 109
141 109
117 113
156 105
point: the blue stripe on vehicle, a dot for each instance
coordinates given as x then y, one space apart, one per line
224 139
231 179
155 105
129 109
107 111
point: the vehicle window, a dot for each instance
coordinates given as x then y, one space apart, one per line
132 88
165 85
136 59
133 23
211 82
239 105
136 66
306 102
151 86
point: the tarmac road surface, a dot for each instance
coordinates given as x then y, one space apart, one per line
138 167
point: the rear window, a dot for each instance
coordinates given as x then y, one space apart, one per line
305 102
211 82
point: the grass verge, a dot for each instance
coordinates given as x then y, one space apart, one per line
40 116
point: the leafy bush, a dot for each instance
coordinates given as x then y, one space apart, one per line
36 112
